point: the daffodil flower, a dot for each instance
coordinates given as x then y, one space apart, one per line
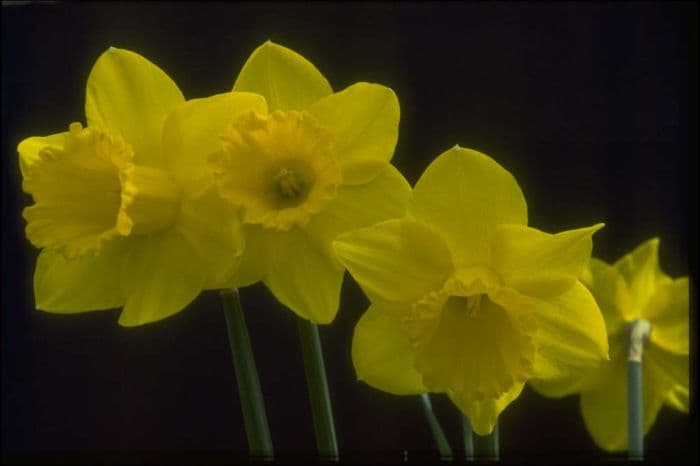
115 214
466 299
632 288
305 166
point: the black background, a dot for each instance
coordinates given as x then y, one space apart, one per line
591 106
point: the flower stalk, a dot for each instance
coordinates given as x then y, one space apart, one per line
252 403
438 434
317 385
468 436
639 331
487 446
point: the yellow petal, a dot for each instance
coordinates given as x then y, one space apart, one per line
364 119
667 312
640 269
396 260
465 195
29 148
287 80
663 376
667 372
89 283
382 354
303 278
570 329
483 414
559 379
254 261
556 378
611 293
163 274
605 408
192 132
129 96
212 227
384 198
678 399
538 263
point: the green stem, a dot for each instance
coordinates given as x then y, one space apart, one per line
318 390
487 446
252 404
635 426
639 331
438 433
468 438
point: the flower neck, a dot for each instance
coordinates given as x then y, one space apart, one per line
639 333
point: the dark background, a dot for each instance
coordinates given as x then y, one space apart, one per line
591 106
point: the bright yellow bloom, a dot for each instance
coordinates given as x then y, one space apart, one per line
308 166
119 220
632 288
466 299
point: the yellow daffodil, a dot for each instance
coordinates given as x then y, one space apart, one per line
632 288
466 299
117 216
304 166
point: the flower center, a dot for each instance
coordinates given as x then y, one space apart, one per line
474 305
290 183
88 191
280 169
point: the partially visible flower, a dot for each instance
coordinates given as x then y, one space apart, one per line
118 221
466 299
632 288
307 166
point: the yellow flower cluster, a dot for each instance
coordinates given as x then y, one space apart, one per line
284 181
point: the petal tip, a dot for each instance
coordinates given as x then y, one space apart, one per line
127 322
112 49
269 44
652 243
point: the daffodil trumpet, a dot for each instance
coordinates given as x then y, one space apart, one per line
639 331
443 445
252 402
317 385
